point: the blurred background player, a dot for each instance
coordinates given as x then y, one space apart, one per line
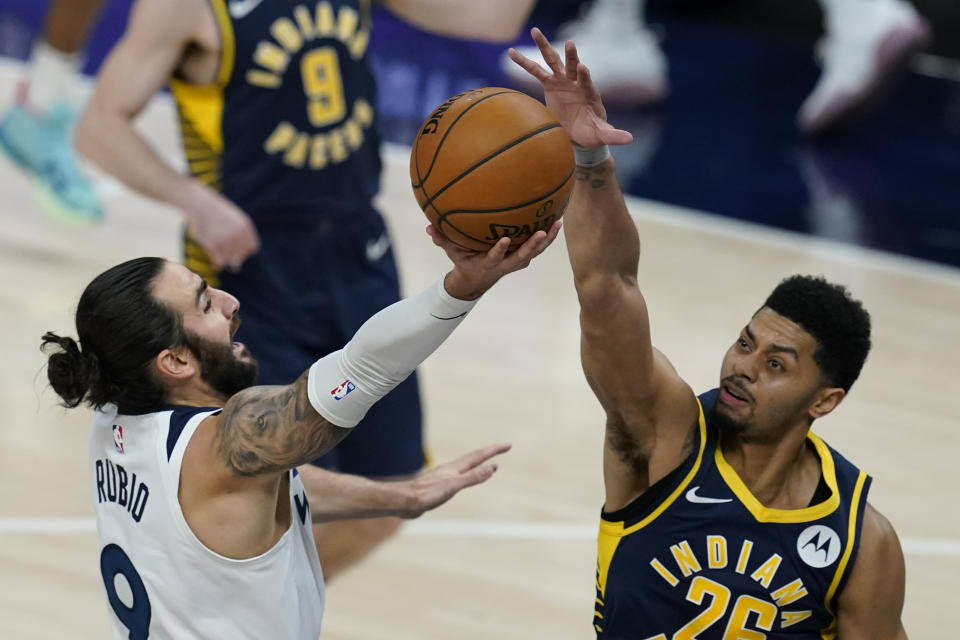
866 43
276 103
37 131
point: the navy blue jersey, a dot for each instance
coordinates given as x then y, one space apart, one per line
697 556
288 129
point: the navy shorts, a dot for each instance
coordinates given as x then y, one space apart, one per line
304 295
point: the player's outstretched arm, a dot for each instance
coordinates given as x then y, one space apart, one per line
265 430
650 411
271 429
871 604
336 496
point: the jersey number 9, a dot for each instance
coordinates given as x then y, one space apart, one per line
320 70
136 617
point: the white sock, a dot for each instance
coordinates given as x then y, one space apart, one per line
50 76
840 12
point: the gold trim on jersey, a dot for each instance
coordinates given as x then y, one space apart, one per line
227 46
201 117
617 528
766 514
610 534
197 260
200 109
830 632
201 106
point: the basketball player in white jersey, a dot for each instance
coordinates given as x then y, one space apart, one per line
203 520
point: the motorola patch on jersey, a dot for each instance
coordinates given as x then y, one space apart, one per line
818 546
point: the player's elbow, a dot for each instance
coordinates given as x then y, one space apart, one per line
601 290
87 132
92 133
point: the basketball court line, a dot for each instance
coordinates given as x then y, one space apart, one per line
484 529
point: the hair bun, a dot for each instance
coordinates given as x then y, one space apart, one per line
71 371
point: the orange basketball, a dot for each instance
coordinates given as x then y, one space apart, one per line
491 163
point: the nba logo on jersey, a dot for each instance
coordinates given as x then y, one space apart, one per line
341 391
118 437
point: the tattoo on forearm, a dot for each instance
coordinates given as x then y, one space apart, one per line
596 176
269 429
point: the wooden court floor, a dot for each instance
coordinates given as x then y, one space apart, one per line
514 558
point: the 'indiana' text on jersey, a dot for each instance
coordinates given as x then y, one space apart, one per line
289 124
697 556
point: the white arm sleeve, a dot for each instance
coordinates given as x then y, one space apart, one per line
388 347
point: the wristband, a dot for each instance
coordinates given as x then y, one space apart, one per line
584 157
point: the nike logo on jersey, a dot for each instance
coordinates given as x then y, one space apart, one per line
376 249
241 8
693 497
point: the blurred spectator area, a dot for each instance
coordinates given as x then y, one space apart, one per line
799 20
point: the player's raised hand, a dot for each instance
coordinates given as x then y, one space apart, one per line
570 94
224 231
476 271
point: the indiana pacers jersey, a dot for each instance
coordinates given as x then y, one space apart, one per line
697 556
161 581
288 127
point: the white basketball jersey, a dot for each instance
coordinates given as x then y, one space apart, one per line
161 581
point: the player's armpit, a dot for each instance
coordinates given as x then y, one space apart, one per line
871 604
636 384
271 429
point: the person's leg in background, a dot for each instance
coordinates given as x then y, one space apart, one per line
867 43
628 66
37 131
388 443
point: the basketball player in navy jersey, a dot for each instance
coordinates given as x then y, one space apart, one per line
203 520
276 102
725 516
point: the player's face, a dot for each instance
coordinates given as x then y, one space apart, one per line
225 371
210 319
769 378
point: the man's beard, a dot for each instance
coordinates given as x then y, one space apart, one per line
220 368
724 423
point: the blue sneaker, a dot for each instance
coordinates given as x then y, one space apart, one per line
43 147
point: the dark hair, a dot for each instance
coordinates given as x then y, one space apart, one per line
840 324
121 328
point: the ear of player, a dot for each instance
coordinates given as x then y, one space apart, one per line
491 163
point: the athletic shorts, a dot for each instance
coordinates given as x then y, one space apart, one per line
304 295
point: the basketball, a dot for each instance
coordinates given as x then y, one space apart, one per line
491 163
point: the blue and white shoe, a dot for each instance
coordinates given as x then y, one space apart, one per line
42 146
